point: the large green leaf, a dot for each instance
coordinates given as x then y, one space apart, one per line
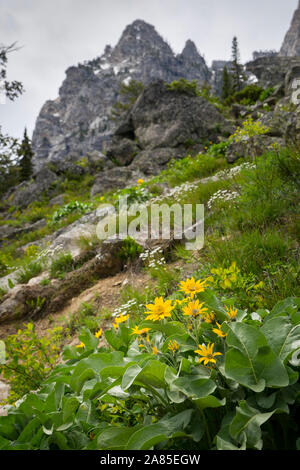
169 329
151 435
118 339
78 381
248 420
224 440
69 408
5 444
282 336
194 387
29 431
130 375
89 340
213 303
251 361
152 374
285 307
115 438
209 402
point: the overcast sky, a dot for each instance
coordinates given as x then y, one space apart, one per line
55 34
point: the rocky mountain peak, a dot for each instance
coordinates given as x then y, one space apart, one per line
190 52
78 122
140 38
291 43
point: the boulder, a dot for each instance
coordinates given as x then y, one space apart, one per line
116 178
122 151
30 302
8 232
30 191
251 147
277 122
167 119
151 162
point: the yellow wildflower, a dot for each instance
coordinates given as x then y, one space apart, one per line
219 332
155 350
207 354
121 319
159 310
136 331
192 287
99 333
231 312
194 309
140 181
173 346
81 345
209 317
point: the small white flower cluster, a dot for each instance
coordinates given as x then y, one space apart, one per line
222 195
126 308
153 258
175 192
235 170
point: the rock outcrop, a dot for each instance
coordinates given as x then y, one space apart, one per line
158 128
271 70
291 43
77 122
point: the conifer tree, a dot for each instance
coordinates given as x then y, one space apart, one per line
237 72
25 153
226 84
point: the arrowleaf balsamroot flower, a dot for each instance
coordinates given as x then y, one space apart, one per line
191 287
209 317
173 346
159 310
99 333
194 309
231 312
207 354
136 331
219 332
120 319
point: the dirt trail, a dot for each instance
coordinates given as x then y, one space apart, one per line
106 293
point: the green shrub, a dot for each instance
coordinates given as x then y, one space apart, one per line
31 270
64 263
133 194
265 94
130 250
251 94
221 379
84 317
71 208
29 359
218 150
184 86
191 168
248 95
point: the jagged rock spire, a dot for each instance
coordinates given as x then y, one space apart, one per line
140 37
291 43
78 121
190 51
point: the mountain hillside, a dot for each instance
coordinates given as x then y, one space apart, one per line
117 332
78 122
